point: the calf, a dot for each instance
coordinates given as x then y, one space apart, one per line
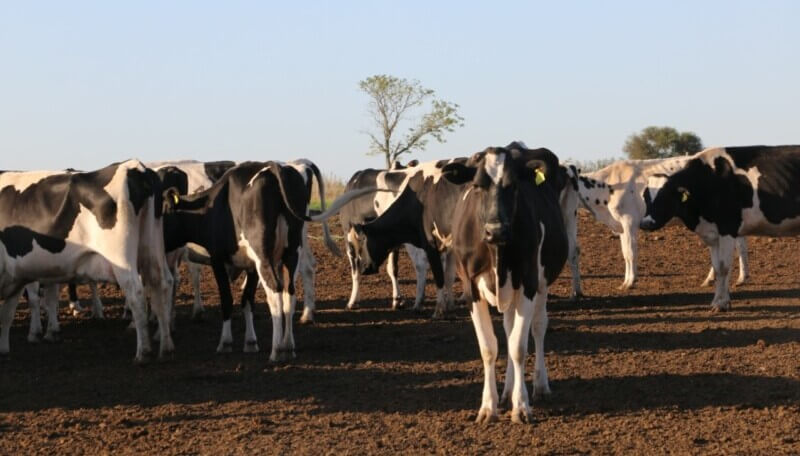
725 193
510 244
614 196
252 219
363 210
103 225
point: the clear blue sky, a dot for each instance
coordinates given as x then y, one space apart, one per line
83 84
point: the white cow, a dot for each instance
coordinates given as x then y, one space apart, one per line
614 196
95 226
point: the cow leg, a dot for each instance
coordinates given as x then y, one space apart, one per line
435 260
131 284
711 277
194 276
522 312
6 318
487 342
541 384
53 331
97 304
722 264
391 270
35 328
448 258
307 265
289 302
354 275
248 301
571 228
421 270
508 384
630 252
226 305
159 283
744 265
74 303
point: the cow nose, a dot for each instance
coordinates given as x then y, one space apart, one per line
495 233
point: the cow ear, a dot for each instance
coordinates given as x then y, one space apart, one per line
171 199
458 173
539 171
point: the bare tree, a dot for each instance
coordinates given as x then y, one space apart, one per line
392 101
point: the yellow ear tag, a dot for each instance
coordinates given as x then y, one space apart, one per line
539 176
684 196
175 198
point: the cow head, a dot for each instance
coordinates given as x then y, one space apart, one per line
365 255
666 197
496 176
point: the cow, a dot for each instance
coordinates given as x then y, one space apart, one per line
418 211
363 210
510 244
195 176
104 225
727 192
251 219
614 196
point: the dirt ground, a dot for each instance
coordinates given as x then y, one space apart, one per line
639 372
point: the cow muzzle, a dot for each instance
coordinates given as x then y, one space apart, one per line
648 224
495 233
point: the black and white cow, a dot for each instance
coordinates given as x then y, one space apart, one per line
510 244
418 211
104 225
251 219
614 196
725 193
363 210
194 176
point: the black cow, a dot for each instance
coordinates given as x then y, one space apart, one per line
252 219
510 244
363 210
104 225
724 193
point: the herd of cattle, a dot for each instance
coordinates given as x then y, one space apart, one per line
503 220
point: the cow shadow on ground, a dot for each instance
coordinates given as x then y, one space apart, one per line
669 300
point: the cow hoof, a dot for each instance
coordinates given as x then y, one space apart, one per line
718 309
144 358
398 305
438 315
33 338
307 320
166 355
542 394
251 346
352 306
741 280
706 283
521 416
486 416
52 337
625 286
225 347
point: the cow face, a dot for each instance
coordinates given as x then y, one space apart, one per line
496 175
665 197
365 255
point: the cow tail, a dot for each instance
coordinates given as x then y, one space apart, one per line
326 232
276 171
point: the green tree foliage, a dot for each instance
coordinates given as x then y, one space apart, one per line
392 102
661 142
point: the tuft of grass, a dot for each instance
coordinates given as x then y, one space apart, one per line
334 187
